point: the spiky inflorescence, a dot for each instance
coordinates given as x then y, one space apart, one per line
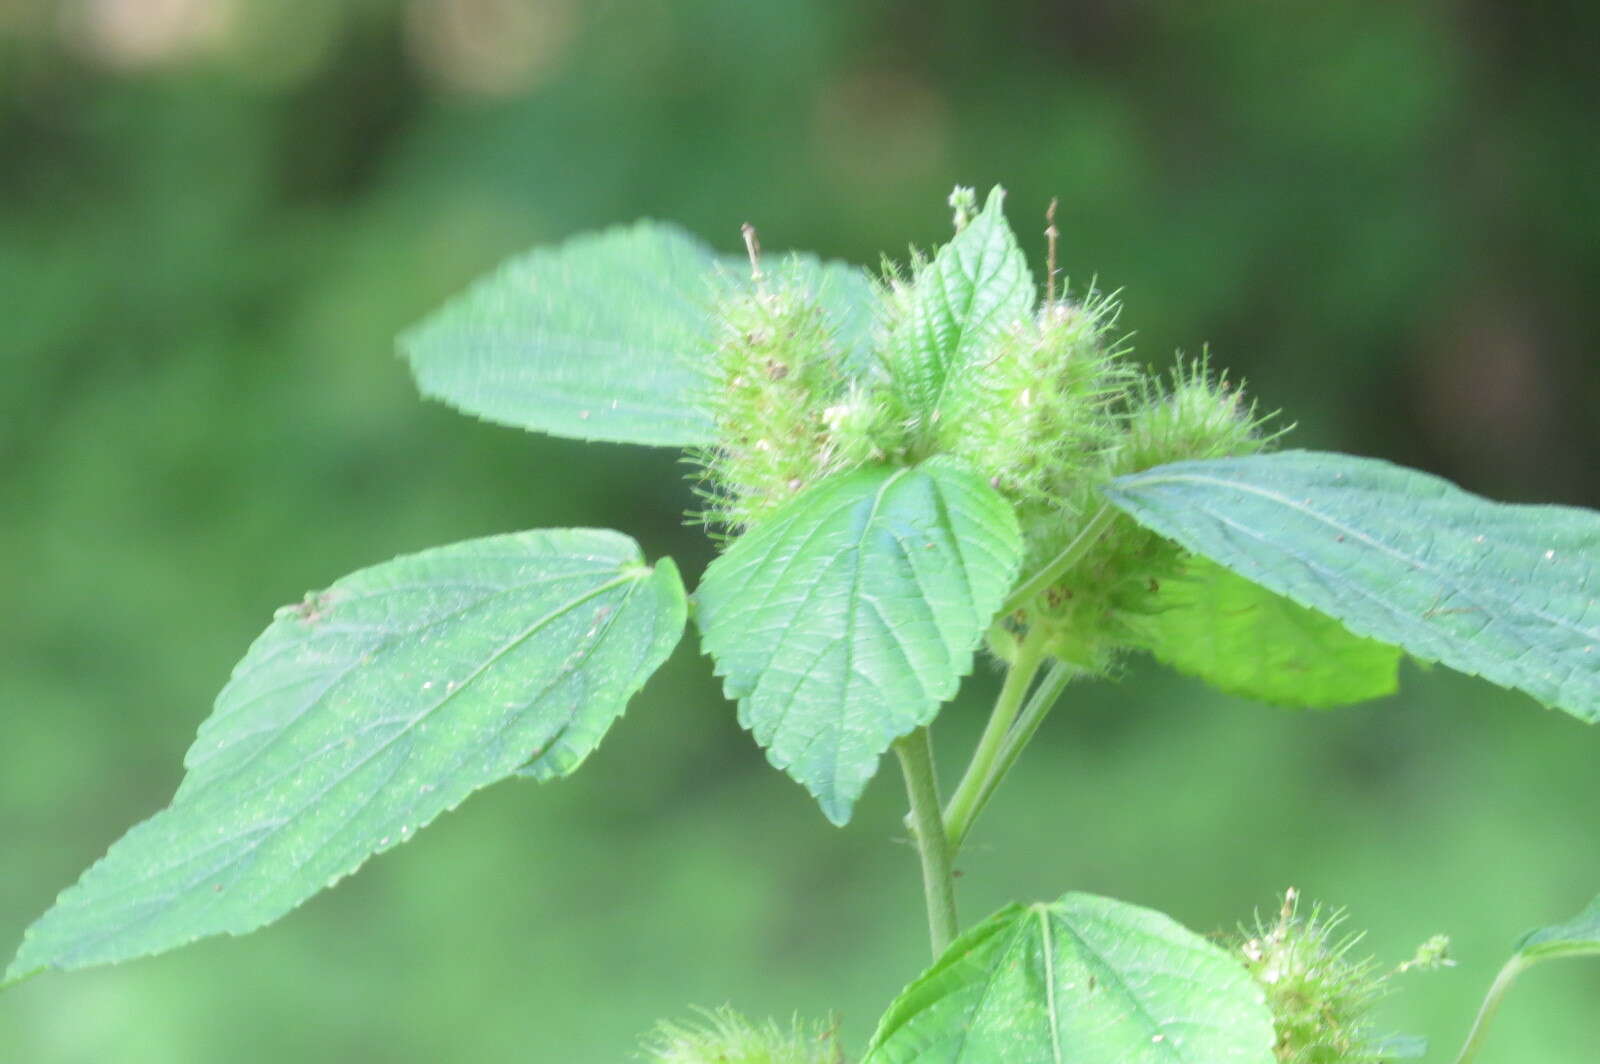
724 1037
1040 414
1191 414
787 413
1139 421
1320 995
1049 411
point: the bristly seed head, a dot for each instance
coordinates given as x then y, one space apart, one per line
722 1036
1321 996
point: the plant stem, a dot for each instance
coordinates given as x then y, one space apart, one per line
1044 698
927 829
1491 1005
969 796
1070 555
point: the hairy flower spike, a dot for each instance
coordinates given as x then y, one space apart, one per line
786 413
1040 415
1320 995
725 1037
1191 414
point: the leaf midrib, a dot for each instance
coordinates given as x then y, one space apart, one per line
1348 530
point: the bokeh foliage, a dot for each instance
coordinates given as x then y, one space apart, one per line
215 215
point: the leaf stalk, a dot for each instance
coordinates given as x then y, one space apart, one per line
1058 566
1491 1005
977 784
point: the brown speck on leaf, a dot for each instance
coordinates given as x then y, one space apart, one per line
314 606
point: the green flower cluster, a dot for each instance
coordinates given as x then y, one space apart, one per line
725 1037
1321 996
1039 396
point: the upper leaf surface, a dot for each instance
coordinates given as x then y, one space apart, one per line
1241 638
605 337
1577 936
975 286
1083 980
1502 591
845 619
363 713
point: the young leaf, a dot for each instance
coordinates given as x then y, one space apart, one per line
1083 980
975 286
605 337
1241 638
1579 936
363 713
1505 592
845 619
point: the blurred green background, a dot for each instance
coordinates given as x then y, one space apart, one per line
215 214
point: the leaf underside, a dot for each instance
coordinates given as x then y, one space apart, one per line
363 713
606 337
1083 980
844 620
1243 639
1507 592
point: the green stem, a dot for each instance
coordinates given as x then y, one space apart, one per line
1491 1005
1044 698
927 828
969 796
1057 567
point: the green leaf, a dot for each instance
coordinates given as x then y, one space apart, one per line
604 337
363 713
1505 592
1241 638
1083 980
607 336
1577 937
844 620
975 286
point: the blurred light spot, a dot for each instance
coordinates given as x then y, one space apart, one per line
21 18
490 47
282 43
881 126
1486 394
136 34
